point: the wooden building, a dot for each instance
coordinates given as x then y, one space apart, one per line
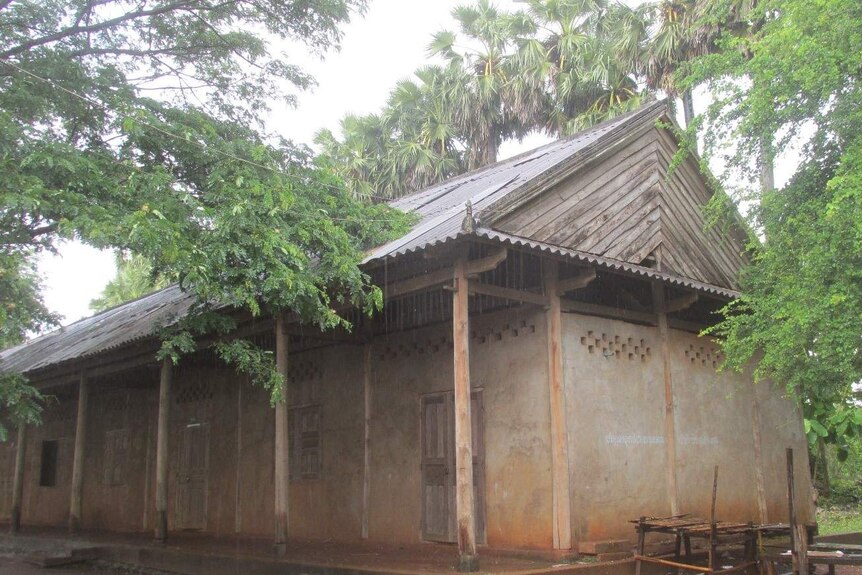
534 381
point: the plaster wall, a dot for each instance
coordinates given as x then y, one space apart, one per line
614 392
614 381
46 505
508 361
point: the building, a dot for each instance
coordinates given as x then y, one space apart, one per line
578 391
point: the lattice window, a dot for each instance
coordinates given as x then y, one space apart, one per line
195 391
304 436
611 346
704 356
116 455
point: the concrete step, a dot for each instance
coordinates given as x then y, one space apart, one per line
604 546
48 561
614 556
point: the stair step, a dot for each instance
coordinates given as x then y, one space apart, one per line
604 546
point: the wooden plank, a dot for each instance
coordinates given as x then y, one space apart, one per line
367 366
281 455
579 281
615 191
165 377
466 522
442 276
486 264
77 490
237 522
476 288
18 480
540 216
688 211
667 563
561 503
760 484
572 306
658 298
681 303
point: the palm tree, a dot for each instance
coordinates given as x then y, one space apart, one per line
484 112
135 278
587 67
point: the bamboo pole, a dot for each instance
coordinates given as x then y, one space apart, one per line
165 377
77 492
282 453
561 514
468 560
18 482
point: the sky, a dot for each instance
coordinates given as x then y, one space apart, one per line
377 51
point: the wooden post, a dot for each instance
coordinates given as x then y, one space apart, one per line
658 299
77 493
282 453
366 465
798 533
18 482
760 484
468 560
165 377
561 515
713 534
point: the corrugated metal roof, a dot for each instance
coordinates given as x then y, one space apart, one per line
130 322
604 262
442 208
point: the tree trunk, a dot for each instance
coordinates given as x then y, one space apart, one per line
688 107
767 166
824 466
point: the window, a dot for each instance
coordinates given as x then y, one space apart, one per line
48 463
114 464
304 436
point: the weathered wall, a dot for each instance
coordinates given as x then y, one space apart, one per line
115 496
508 360
49 505
615 404
617 438
7 473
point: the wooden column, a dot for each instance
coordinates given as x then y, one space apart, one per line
77 492
282 453
758 457
562 523
18 482
366 464
659 304
165 378
468 560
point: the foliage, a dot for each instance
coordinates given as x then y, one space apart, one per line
21 403
132 126
839 519
135 278
796 76
555 67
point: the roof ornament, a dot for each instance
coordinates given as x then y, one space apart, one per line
469 224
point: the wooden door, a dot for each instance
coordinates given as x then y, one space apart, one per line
439 519
192 472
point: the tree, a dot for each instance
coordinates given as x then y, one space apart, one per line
132 126
797 77
135 278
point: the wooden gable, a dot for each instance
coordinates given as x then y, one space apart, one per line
626 205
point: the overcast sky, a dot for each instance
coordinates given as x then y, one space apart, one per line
384 46
377 51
